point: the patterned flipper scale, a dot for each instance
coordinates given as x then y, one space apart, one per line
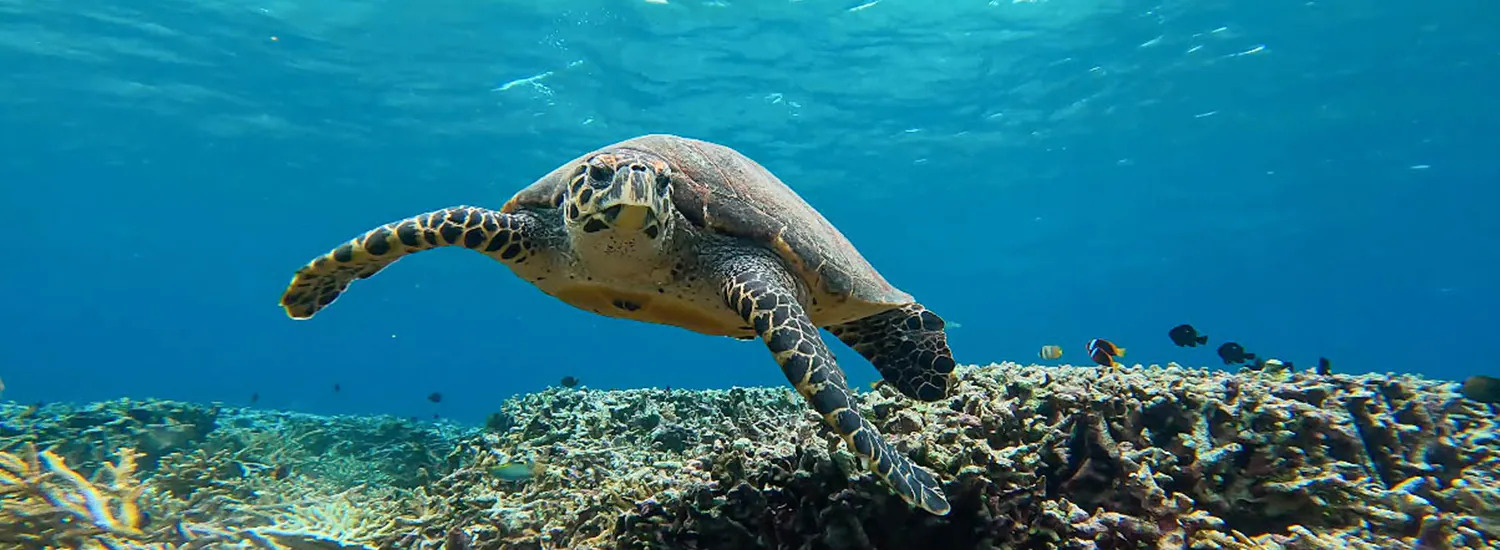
907 345
319 283
763 297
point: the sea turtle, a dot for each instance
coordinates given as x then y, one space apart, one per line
677 231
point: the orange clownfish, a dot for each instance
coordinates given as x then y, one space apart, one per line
1104 352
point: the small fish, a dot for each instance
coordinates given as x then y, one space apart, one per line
336 387
1104 352
458 540
1481 388
1186 336
569 382
516 470
1325 367
254 397
29 411
435 397
1050 352
1232 352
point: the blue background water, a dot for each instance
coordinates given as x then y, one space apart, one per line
1308 178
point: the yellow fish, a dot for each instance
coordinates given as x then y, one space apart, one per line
517 470
1050 352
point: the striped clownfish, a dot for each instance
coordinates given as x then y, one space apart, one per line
1104 352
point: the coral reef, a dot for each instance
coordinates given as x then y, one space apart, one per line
46 503
90 433
244 479
1032 457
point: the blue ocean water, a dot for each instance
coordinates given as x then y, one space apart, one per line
1307 178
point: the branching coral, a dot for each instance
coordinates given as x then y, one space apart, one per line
351 518
85 435
46 503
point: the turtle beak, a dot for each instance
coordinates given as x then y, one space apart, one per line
631 204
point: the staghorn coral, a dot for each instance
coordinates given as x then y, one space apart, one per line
198 498
1032 457
343 450
44 503
348 520
82 436
601 455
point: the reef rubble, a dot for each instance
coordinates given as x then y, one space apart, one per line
1032 457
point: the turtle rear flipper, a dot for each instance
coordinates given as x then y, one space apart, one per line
907 345
316 285
761 292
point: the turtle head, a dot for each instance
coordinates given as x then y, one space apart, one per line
623 193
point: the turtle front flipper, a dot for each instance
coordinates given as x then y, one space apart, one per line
907 345
503 236
763 294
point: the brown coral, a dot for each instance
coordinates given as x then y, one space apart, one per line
1032 457
1036 457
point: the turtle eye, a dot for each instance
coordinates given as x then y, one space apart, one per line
600 174
662 181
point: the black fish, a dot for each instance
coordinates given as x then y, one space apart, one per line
1232 352
254 397
569 382
435 397
336 387
1186 336
1481 388
458 540
1325 367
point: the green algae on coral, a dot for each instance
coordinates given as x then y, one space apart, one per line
1032 457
